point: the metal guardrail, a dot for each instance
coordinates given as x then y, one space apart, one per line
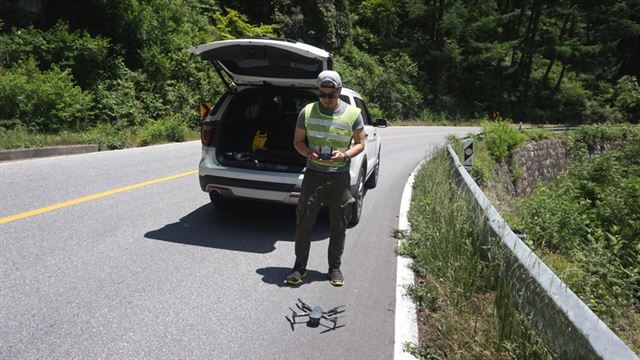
565 324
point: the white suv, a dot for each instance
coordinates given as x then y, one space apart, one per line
247 138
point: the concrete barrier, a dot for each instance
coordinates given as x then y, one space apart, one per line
566 325
20 154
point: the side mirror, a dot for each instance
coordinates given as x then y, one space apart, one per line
380 123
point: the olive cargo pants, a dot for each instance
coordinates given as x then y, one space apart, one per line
331 189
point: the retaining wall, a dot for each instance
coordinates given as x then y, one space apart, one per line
539 161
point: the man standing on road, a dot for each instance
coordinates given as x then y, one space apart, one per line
328 125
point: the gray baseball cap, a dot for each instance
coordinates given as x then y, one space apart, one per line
329 76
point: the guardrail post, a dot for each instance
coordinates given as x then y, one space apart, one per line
468 153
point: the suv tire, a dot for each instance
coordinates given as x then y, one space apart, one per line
372 181
358 195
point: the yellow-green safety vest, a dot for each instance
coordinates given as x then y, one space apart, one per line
329 130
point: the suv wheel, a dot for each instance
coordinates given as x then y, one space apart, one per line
356 207
372 181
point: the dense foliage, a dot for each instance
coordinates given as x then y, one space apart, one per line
44 100
591 216
529 60
585 224
115 65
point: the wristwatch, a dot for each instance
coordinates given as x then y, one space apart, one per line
346 156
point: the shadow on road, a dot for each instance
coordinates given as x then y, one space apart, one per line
275 276
243 226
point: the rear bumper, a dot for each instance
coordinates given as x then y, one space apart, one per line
280 192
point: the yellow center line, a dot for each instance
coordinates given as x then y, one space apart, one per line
43 210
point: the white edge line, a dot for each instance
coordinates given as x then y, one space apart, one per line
406 324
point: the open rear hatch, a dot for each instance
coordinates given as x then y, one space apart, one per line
266 62
257 127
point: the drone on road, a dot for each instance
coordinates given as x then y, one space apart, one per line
315 316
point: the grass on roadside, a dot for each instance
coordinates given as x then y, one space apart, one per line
456 293
113 137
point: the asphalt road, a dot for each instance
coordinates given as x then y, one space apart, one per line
154 271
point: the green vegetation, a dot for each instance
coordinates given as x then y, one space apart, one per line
495 144
586 223
110 79
125 63
103 134
464 311
501 138
164 130
46 102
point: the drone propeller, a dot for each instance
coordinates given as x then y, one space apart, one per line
292 323
331 328
333 312
303 306
335 309
333 319
295 314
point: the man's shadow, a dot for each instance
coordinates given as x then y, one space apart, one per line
240 226
275 276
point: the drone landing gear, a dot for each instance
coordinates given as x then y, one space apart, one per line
315 315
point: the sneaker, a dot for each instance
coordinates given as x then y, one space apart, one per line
335 277
295 277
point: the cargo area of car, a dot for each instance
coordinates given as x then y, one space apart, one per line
256 130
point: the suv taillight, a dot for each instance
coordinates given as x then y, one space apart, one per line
207 130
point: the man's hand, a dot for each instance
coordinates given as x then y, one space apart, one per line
337 156
299 143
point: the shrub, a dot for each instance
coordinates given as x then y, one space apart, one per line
85 56
592 214
388 88
588 139
553 208
236 25
483 163
164 130
109 135
501 138
627 97
538 134
43 101
16 137
117 101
